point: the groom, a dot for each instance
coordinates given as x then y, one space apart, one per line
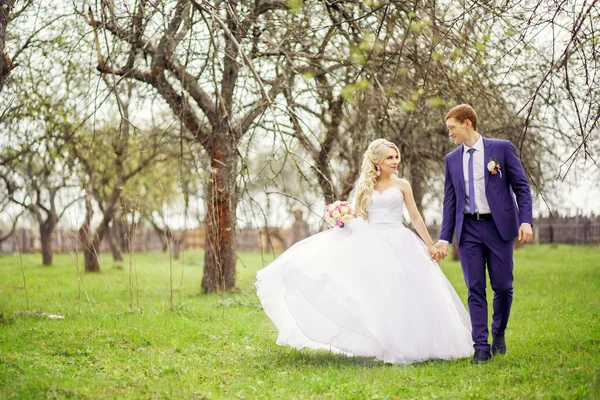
481 176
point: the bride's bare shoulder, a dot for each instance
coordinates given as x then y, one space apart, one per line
402 184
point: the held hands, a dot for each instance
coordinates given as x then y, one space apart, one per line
434 253
525 233
442 250
438 252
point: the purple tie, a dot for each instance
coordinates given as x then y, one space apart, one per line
471 183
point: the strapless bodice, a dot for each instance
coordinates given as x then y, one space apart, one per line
386 207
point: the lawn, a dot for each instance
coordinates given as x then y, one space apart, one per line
223 346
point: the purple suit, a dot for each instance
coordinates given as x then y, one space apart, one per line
487 242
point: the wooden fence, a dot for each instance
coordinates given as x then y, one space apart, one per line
568 230
558 229
28 241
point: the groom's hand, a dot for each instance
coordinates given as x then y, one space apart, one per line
443 249
525 233
434 253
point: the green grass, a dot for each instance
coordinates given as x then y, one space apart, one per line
215 346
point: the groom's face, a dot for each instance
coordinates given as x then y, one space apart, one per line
458 131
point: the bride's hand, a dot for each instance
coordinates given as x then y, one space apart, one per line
434 253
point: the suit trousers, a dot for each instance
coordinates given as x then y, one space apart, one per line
482 246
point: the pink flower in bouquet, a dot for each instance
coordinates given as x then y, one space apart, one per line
338 214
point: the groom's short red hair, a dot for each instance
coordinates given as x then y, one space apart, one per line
463 112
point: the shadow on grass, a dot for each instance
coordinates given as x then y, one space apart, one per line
324 358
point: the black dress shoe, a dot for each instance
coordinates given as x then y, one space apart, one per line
481 356
498 344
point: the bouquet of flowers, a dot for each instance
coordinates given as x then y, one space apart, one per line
338 213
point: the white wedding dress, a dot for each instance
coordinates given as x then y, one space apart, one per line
367 289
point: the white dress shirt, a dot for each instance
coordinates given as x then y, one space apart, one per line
481 204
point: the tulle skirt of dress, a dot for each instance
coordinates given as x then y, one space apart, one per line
365 290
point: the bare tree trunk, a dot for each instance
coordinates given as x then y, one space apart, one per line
6 65
417 181
46 225
178 245
91 240
46 249
46 229
92 260
455 253
221 195
165 239
92 264
113 236
91 244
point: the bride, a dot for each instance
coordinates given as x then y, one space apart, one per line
370 288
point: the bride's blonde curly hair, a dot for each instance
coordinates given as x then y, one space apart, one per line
376 153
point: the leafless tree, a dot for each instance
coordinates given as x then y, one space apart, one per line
110 158
34 185
6 64
36 172
21 13
192 55
389 70
317 81
566 74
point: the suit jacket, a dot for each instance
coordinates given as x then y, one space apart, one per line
500 190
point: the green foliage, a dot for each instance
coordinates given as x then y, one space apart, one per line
223 346
456 53
308 75
407 105
156 183
369 42
434 102
357 55
295 4
372 3
417 26
363 84
348 91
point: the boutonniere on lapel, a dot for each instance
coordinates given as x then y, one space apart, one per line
494 166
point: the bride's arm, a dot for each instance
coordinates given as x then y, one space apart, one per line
415 216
